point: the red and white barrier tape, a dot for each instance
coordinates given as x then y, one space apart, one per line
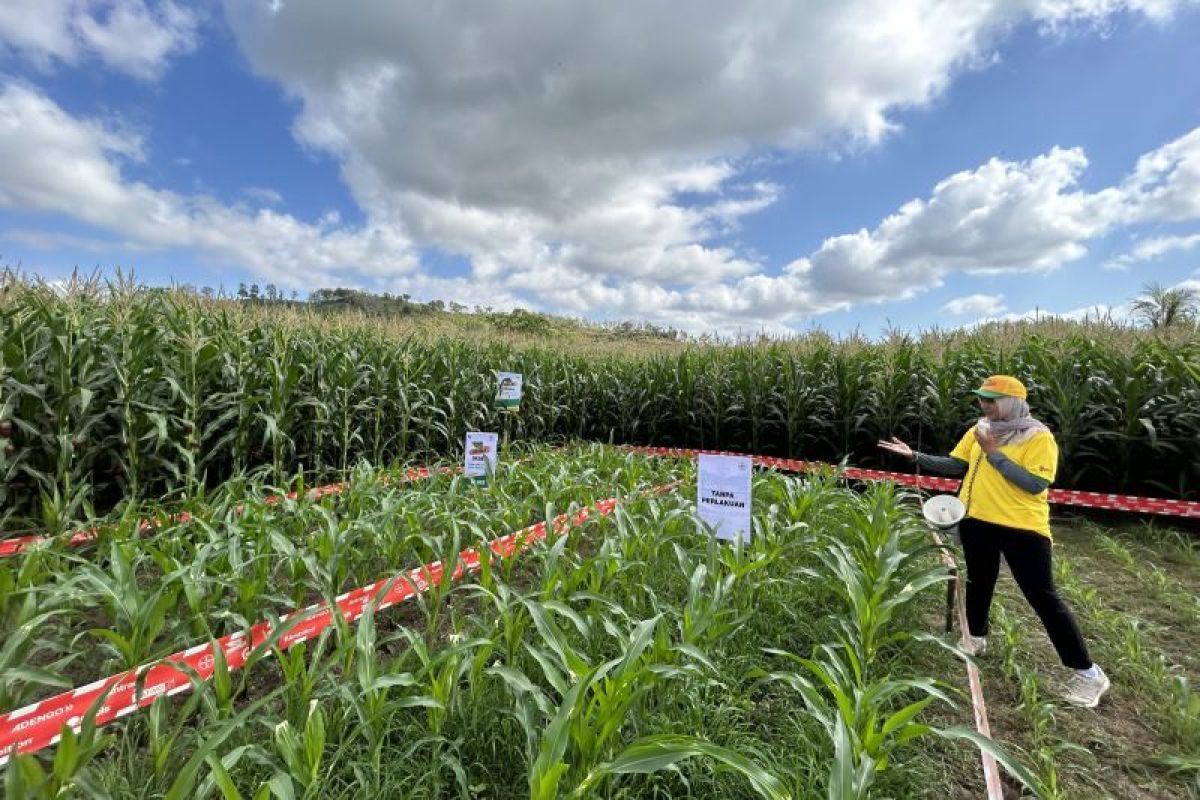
19 544
1144 505
38 725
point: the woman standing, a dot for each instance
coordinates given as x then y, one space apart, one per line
1008 460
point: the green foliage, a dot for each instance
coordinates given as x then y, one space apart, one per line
116 393
622 660
1162 307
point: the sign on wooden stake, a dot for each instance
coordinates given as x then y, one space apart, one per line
508 390
479 456
723 495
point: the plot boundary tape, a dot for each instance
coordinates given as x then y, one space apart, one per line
1069 497
19 544
37 725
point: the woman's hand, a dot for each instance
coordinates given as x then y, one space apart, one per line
987 442
898 447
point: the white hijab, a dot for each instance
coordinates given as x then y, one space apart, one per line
1015 424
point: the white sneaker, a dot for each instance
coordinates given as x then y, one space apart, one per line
1086 692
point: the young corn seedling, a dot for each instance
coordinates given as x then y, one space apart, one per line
1048 745
1009 639
860 712
138 617
1117 552
298 755
26 779
573 745
20 677
370 696
303 666
1184 714
438 683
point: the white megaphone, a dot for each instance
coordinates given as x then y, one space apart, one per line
943 511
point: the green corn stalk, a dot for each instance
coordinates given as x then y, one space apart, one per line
138 617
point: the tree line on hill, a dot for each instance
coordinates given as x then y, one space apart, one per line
518 320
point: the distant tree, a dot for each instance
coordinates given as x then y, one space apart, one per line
520 321
272 292
1160 307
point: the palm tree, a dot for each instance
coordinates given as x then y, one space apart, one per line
1161 307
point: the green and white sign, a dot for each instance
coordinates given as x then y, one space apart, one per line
723 495
508 390
479 456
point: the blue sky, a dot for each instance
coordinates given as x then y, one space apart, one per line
773 166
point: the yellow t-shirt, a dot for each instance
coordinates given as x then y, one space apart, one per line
989 496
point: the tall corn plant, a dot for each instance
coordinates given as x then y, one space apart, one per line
17 398
686 378
947 406
190 374
753 382
235 399
112 392
281 364
1068 393
853 399
802 413
896 384
1175 418
69 384
139 398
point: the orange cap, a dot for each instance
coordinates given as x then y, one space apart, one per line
1001 386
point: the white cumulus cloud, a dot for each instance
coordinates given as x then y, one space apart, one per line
129 36
590 158
1165 184
1152 248
990 304
577 149
53 162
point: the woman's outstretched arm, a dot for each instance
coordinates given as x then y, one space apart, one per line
946 465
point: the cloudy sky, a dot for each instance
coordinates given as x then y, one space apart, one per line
751 166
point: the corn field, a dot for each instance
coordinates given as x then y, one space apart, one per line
635 657
118 393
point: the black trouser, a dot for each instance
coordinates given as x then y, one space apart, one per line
1028 556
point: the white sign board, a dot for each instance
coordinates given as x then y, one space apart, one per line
508 390
723 495
479 456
